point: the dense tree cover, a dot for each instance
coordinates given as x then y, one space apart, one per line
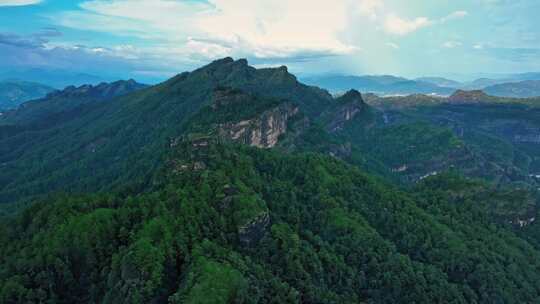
416 138
498 134
57 106
102 146
185 216
333 235
92 146
410 143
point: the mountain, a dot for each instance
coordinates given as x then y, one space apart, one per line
69 132
51 77
125 136
523 89
391 85
385 85
62 104
482 83
524 76
14 93
474 96
440 81
497 136
230 223
231 184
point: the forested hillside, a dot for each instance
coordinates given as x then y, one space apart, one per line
498 137
259 226
230 184
106 144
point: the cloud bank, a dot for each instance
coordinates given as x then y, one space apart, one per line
160 37
18 2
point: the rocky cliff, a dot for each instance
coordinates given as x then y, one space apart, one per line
262 131
346 108
261 122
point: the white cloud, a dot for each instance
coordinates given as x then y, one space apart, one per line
400 26
370 8
452 44
18 2
478 46
264 28
188 32
393 45
454 15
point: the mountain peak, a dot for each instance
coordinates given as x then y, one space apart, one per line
352 96
103 90
348 106
474 96
275 82
352 93
225 62
242 61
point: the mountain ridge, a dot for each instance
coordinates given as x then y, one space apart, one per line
14 93
62 102
124 129
521 86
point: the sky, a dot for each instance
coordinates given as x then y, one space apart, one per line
151 40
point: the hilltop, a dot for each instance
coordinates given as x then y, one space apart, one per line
13 93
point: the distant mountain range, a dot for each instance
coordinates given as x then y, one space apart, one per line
440 81
62 104
518 85
13 93
384 85
58 79
527 88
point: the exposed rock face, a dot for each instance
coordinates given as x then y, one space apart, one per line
262 131
255 230
475 96
523 222
349 105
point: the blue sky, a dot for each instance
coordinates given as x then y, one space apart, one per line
151 40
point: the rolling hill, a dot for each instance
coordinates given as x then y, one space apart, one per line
14 93
522 89
385 85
